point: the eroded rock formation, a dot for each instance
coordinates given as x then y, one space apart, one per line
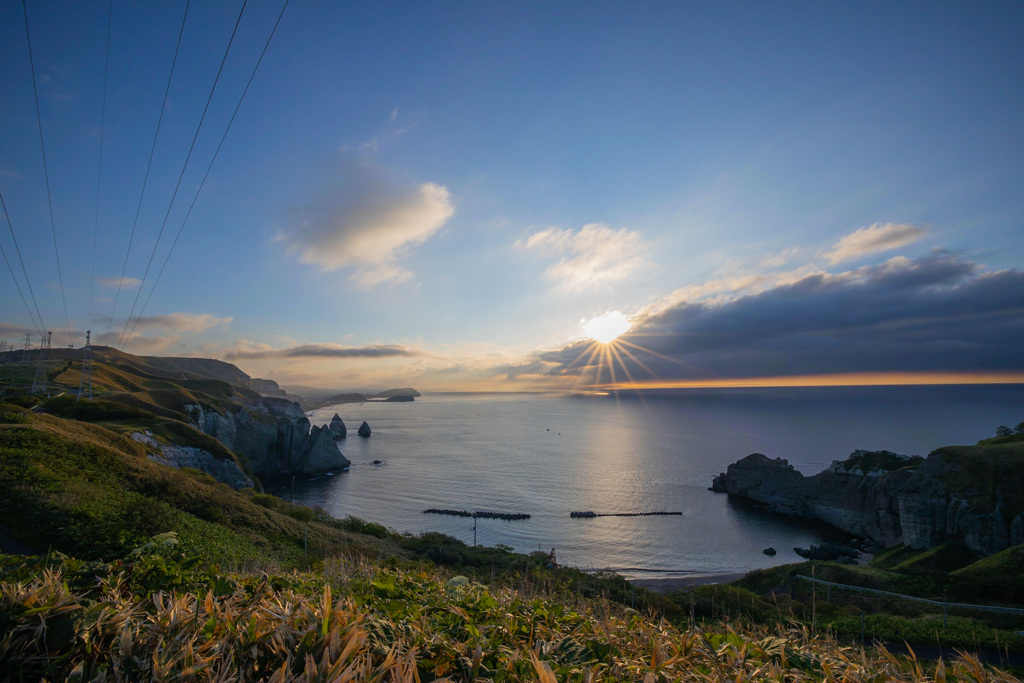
338 428
891 499
273 443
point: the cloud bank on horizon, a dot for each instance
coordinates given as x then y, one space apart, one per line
937 313
940 312
247 351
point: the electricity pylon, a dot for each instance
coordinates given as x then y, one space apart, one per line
39 382
85 384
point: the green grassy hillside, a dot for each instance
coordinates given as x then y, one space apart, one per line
90 491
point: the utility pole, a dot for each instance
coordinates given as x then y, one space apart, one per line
85 383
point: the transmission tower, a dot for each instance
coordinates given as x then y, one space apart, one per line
25 348
39 382
85 384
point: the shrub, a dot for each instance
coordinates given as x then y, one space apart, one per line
13 414
98 410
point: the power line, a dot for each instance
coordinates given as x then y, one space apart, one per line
18 285
46 173
149 164
181 175
99 165
210 166
39 326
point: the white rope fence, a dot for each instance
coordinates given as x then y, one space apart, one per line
939 603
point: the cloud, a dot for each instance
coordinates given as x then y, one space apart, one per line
125 282
720 290
182 322
249 351
595 254
936 313
875 238
143 345
364 220
9 330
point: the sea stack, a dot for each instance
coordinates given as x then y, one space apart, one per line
364 429
338 429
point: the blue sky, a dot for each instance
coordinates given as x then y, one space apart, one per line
438 194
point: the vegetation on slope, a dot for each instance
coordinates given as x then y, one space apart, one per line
92 492
153 616
779 593
983 474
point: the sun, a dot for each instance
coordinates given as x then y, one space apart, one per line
606 328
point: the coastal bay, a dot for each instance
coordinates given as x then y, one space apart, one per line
548 455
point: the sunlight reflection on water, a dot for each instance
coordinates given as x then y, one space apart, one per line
548 455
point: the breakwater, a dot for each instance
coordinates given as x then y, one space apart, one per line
488 514
591 513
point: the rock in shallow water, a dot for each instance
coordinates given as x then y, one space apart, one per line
338 428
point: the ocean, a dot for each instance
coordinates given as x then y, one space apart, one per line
548 455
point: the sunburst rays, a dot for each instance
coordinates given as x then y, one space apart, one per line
604 363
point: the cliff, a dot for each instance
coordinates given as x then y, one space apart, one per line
970 494
273 443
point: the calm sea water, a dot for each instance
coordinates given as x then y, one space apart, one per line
548 455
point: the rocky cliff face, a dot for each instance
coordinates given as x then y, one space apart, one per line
272 441
882 496
226 471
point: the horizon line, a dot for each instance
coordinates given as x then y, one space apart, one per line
841 379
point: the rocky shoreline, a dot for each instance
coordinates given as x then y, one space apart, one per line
889 499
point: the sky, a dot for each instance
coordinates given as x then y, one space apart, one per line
445 195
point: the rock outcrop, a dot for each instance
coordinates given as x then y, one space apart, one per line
887 498
280 407
364 429
225 471
266 387
273 443
338 428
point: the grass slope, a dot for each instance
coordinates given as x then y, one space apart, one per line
154 617
91 491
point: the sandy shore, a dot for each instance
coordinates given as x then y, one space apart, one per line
678 583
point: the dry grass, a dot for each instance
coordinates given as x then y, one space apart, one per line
358 622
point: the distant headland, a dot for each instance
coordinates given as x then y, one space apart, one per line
311 398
